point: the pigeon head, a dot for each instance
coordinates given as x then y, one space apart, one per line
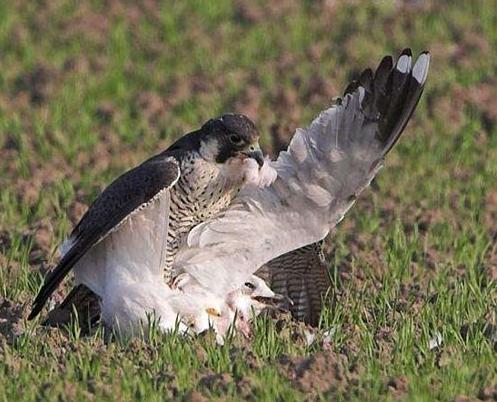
260 292
252 298
255 287
230 136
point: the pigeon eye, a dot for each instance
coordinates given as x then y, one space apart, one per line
236 139
249 285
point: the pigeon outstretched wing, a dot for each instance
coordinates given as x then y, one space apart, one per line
319 178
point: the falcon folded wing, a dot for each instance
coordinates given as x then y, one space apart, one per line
124 198
319 178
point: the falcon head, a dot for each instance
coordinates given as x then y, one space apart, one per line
230 136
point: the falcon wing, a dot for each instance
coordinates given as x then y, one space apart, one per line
319 178
124 198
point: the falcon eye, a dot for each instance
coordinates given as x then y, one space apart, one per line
249 285
236 139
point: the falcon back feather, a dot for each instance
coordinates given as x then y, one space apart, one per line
319 178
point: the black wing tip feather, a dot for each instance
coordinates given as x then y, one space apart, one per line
386 67
392 92
35 310
385 64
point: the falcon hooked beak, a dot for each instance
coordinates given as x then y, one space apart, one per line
254 151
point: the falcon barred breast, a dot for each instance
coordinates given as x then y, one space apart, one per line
302 277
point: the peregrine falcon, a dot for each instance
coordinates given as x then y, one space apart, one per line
200 174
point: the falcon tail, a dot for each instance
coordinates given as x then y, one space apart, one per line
53 280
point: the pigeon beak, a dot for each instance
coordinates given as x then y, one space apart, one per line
255 152
276 299
283 299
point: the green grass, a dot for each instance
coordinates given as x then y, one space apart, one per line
87 90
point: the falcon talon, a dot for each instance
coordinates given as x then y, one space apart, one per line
284 299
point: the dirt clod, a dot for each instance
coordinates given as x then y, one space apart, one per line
39 82
398 386
76 211
11 314
195 396
151 106
217 382
322 372
488 394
